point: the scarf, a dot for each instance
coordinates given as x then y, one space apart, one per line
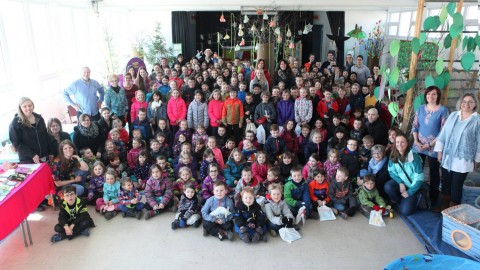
282 74
116 89
374 166
91 131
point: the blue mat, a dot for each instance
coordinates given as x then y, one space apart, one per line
428 261
427 227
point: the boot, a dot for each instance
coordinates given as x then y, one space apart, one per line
444 202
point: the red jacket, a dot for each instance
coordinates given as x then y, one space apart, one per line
215 111
322 108
290 141
232 111
259 171
342 105
176 110
136 106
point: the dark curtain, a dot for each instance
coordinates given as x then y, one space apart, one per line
337 25
183 31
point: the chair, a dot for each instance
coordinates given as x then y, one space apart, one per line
72 113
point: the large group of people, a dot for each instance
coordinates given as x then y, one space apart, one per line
241 150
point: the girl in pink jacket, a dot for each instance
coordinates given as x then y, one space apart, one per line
138 104
215 107
176 110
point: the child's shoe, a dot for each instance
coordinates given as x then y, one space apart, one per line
86 232
131 213
273 233
364 210
175 224
343 215
246 239
58 237
197 223
110 214
149 214
182 223
335 211
138 215
205 232
221 235
296 227
256 237
230 235
264 237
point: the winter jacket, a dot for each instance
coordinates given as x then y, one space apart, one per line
285 111
142 172
307 171
356 101
242 184
104 127
323 109
156 114
341 192
213 203
204 168
264 109
291 142
274 147
125 197
319 191
303 110
413 166
192 166
232 112
197 114
117 102
132 157
188 207
144 127
331 169
158 190
370 197
378 130
343 105
110 192
176 110
276 211
30 141
180 184
312 148
351 162
69 217
96 185
136 106
250 108
215 108
233 171
95 144
249 214
208 185
296 194
260 171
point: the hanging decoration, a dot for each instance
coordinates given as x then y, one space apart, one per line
289 33
254 28
240 33
291 45
242 43
272 23
222 18
226 36
307 29
246 19
357 33
265 16
237 48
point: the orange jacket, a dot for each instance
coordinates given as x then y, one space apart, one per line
232 111
319 188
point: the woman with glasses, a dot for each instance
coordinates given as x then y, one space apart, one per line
378 167
54 128
458 148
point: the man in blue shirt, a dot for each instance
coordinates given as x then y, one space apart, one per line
84 91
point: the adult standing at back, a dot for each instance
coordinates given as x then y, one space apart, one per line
458 147
376 128
429 120
361 70
28 134
85 91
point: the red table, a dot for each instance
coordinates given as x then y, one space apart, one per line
24 199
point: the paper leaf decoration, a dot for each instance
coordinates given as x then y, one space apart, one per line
431 23
406 86
419 101
423 37
415 45
439 65
467 60
451 8
394 77
443 14
393 109
429 81
394 47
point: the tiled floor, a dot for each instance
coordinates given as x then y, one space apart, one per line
127 243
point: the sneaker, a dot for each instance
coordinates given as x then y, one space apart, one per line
138 215
149 214
344 215
86 232
58 237
364 211
175 225
205 232
246 239
124 214
131 213
221 235
230 235
273 233
182 223
256 237
335 211
264 237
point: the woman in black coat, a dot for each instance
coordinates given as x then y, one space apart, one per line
284 74
28 134
88 135
54 128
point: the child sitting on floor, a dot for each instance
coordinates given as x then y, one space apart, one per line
249 151
208 158
369 197
185 177
277 211
108 205
312 164
296 192
188 209
341 194
210 180
219 225
159 193
273 177
73 218
332 164
129 199
142 169
250 220
97 181
318 189
260 167
246 180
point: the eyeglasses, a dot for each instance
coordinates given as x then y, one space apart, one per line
468 102
376 153
214 171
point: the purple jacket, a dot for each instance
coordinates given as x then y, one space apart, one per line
158 189
285 111
207 186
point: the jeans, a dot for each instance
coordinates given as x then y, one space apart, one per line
83 174
77 229
452 184
406 206
434 173
123 208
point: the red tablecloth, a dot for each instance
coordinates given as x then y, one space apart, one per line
24 199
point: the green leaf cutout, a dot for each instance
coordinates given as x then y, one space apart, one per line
451 8
439 65
431 23
415 45
404 87
429 81
446 77
443 14
423 37
376 92
394 47
464 42
393 109
439 82
419 101
471 44
467 60
394 77
447 42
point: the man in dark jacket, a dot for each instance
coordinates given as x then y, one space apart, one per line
376 128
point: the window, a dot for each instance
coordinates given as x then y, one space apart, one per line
42 38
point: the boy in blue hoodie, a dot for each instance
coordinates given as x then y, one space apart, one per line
218 225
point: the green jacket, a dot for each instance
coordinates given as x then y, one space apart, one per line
370 197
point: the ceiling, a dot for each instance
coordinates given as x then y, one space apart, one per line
202 5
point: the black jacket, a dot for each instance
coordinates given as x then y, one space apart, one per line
30 141
378 130
80 214
95 144
249 214
63 136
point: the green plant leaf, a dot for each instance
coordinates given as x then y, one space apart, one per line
447 42
439 82
394 47
455 30
429 81
464 42
439 65
415 45
477 40
394 77
423 37
446 77
471 44
431 23
419 101
457 19
451 8
393 109
376 92
404 87
443 14
467 60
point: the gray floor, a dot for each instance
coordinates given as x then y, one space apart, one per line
123 243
